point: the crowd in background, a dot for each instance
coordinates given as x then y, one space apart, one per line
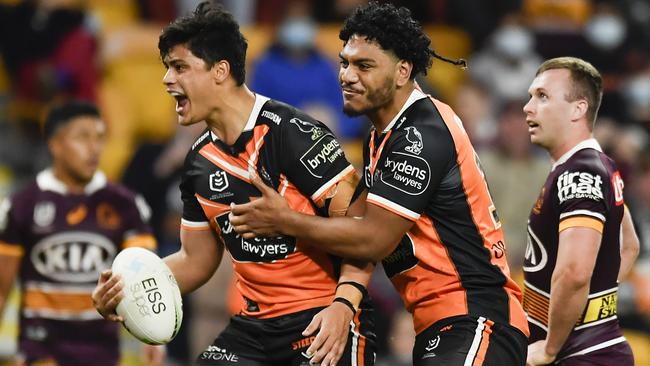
105 51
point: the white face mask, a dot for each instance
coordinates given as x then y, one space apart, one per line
297 33
606 31
513 41
637 92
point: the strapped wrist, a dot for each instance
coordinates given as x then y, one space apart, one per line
362 289
345 302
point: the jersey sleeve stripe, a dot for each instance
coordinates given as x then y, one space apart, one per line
146 241
325 187
231 169
581 221
11 250
393 207
194 226
582 213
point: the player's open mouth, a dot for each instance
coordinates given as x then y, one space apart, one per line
181 101
532 125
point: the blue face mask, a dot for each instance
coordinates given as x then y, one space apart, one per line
297 33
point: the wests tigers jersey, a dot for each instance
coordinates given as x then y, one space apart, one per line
301 159
65 240
453 260
584 189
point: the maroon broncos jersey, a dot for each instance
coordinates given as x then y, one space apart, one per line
65 240
584 189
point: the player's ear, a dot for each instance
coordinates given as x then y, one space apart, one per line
579 111
403 71
220 71
54 145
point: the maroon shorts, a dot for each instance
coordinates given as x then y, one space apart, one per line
619 354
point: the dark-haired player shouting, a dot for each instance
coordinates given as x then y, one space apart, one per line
289 288
425 209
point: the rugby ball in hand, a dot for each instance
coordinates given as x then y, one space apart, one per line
152 307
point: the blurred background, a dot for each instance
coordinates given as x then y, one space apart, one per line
106 51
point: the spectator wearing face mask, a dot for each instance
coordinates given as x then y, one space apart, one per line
293 71
507 61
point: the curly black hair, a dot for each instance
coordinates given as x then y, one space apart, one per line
394 29
212 34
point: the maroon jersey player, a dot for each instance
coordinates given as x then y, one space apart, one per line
57 234
574 257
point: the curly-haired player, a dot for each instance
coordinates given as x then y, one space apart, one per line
423 207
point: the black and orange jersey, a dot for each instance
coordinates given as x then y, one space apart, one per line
65 240
453 260
299 157
584 189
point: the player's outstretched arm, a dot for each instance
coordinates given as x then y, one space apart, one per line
371 237
629 246
195 263
576 258
192 266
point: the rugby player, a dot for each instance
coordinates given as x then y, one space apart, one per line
57 234
289 288
426 212
574 257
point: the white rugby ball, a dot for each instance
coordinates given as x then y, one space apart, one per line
152 307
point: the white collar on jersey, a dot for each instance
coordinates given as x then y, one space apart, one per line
252 118
414 97
590 143
46 181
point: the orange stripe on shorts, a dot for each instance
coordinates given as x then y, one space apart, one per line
485 343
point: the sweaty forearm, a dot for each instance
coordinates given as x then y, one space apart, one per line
343 236
630 246
628 257
189 276
568 300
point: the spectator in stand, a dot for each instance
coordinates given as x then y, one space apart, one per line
507 62
514 173
294 57
49 51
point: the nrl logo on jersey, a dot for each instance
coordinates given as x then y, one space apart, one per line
308 127
574 185
415 138
44 213
219 181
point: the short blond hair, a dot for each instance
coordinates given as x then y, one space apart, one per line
587 82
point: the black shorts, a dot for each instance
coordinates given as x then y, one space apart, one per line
468 340
279 341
